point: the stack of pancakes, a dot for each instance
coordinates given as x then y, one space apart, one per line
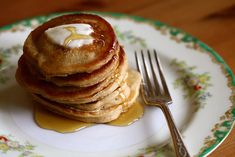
90 83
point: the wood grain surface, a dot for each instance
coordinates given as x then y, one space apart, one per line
211 21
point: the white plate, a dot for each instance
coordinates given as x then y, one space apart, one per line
200 83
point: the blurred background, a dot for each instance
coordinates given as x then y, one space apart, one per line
211 21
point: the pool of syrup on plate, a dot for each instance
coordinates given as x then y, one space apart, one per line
48 120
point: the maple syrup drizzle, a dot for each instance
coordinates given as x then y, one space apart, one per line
51 121
48 120
74 35
130 116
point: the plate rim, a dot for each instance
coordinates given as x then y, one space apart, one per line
205 150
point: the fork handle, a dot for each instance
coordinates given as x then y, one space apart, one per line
180 149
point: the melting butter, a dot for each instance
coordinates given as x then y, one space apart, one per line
71 35
48 120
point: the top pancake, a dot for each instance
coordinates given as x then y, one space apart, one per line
53 59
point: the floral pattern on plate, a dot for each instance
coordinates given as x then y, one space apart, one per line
7 144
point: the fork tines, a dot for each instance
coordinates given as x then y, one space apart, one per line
154 84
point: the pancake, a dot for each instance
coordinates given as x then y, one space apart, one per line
84 79
70 94
112 99
41 48
88 79
115 98
133 81
102 115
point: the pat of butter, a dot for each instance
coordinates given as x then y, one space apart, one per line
71 35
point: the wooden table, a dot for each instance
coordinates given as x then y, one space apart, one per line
212 21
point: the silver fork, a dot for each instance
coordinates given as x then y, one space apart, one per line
155 92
